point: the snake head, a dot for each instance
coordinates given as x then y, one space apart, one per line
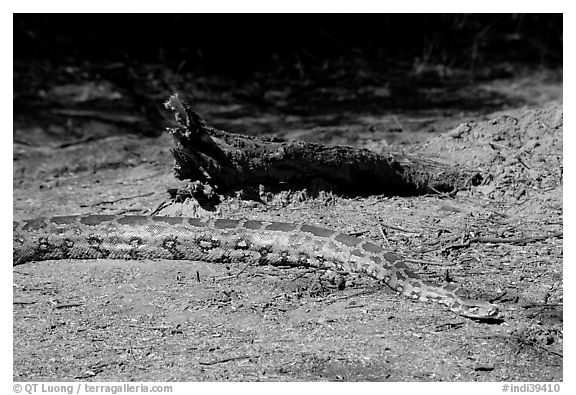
472 308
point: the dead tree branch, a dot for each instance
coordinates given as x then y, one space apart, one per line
227 161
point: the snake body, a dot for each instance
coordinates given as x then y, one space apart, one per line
229 240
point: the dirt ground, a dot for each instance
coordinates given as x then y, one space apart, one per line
194 321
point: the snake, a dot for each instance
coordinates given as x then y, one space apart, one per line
133 237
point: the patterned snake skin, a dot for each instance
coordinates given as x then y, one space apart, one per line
227 240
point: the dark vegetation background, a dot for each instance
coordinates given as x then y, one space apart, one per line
240 43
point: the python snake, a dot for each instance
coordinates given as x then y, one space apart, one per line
229 240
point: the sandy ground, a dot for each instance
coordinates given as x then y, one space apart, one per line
193 321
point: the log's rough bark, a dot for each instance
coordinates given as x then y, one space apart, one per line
231 161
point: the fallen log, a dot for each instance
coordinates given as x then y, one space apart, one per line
230 161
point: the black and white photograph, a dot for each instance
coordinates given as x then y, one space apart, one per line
299 197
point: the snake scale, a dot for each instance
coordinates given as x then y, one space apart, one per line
229 240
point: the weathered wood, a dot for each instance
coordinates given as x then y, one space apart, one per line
229 161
